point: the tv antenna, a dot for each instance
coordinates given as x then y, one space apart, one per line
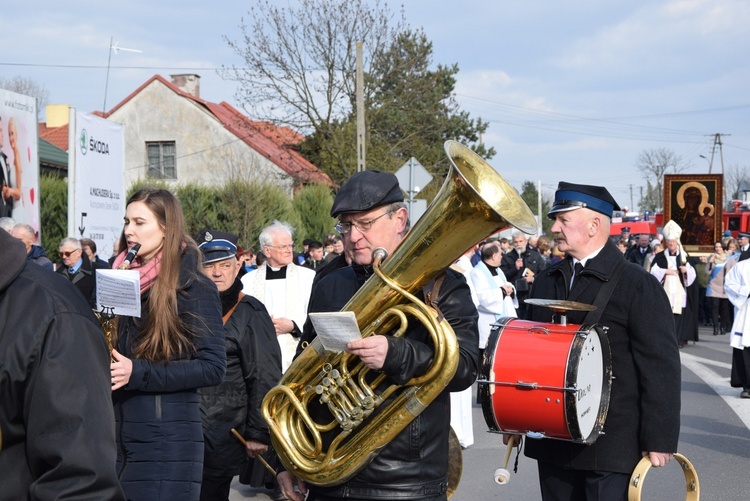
113 47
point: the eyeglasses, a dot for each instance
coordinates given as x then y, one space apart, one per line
67 253
345 227
281 247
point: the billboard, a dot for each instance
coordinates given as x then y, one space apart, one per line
95 180
19 158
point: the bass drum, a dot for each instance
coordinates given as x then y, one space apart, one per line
546 380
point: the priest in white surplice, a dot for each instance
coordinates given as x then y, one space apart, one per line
494 296
283 287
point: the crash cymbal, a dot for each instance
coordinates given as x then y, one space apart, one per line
560 306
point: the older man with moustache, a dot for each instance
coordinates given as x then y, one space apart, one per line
644 410
253 368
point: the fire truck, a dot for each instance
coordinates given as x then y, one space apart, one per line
738 220
637 224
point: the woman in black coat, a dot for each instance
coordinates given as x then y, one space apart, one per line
175 347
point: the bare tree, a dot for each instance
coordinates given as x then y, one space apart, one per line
654 164
300 63
734 176
27 87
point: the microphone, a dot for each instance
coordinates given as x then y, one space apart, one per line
130 256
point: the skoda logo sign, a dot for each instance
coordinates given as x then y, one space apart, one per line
84 142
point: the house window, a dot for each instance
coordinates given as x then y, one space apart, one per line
161 160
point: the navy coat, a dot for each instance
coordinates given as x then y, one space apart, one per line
159 434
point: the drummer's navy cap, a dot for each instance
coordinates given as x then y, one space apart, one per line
365 191
217 245
571 196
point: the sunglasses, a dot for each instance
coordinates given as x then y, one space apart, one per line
67 253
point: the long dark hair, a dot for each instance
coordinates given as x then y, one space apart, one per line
165 335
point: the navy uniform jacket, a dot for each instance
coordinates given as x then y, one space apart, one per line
644 410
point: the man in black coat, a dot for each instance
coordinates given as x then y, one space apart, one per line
637 254
56 417
78 269
253 368
644 409
520 266
414 465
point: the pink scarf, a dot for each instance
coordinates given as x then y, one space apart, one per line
148 271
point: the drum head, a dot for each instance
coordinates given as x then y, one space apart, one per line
589 383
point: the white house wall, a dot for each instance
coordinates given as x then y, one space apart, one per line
206 152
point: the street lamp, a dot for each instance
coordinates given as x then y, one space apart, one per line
707 160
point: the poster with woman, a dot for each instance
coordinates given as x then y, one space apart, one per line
19 158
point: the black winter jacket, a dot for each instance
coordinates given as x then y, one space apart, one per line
644 410
253 368
414 465
56 419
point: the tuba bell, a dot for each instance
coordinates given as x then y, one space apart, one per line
474 202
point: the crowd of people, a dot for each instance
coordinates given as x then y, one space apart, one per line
173 411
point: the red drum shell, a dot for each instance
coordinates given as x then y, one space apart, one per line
546 380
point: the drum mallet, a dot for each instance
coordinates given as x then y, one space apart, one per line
502 475
257 456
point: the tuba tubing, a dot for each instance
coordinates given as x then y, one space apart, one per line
474 202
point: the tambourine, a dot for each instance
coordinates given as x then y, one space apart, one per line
639 476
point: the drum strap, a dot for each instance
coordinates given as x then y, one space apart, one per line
602 298
431 293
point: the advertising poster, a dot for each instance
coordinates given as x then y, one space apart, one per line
95 182
19 158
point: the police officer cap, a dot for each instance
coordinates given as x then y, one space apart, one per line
365 191
744 235
571 196
217 245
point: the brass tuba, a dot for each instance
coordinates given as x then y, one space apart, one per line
474 202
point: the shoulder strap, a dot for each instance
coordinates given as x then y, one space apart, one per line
231 310
431 293
605 293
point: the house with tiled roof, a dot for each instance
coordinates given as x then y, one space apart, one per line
172 134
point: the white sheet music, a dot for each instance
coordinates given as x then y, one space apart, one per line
335 329
120 290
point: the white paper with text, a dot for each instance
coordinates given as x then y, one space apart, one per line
119 290
335 329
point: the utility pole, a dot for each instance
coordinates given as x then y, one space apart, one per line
360 110
717 142
632 207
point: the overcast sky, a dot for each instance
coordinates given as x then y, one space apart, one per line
573 90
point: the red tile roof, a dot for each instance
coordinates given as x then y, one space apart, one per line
55 135
274 142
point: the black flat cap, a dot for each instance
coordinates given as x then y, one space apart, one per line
365 191
217 245
571 196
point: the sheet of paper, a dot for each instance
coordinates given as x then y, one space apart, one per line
120 290
335 329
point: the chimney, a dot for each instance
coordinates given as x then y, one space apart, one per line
189 83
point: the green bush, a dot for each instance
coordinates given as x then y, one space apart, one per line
240 207
53 212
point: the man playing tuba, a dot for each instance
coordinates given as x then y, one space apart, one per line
372 214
